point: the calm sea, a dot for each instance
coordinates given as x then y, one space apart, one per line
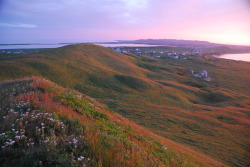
31 46
239 56
37 46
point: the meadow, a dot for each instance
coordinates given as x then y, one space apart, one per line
43 124
158 94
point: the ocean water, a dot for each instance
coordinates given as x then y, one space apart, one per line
238 56
31 46
39 46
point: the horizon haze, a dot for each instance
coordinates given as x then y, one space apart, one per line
44 21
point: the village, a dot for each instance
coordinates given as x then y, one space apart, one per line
18 51
180 54
177 53
162 51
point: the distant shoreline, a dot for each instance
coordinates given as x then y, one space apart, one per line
235 56
38 44
231 53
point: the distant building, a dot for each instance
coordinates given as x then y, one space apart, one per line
118 50
197 75
191 72
176 56
204 73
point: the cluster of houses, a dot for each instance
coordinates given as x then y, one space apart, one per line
8 51
17 51
161 53
202 74
151 53
172 52
175 55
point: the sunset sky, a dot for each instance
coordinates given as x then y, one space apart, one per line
50 21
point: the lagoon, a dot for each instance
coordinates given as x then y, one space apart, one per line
237 56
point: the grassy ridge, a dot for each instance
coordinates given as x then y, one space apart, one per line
157 93
43 124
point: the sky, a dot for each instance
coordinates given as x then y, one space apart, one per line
52 21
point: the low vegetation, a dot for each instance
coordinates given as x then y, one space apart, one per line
157 93
43 124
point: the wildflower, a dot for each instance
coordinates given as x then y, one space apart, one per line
75 141
80 158
12 142
2 134
165 148
17 137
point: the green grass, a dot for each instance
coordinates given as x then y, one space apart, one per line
156 93
43 124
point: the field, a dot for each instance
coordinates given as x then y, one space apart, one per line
43 124
159 94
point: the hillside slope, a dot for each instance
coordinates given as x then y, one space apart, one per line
43 124
158 94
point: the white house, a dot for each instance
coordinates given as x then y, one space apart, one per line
204 73
176 56
197 75
191 72
118 50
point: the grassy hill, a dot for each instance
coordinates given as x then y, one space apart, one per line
159 94
43 124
